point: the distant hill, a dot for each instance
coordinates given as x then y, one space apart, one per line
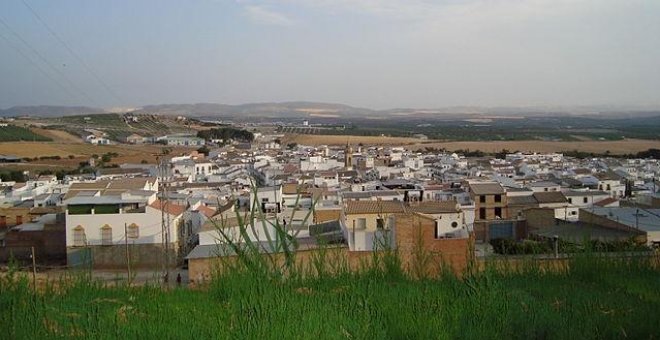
330 110
48 111
284 110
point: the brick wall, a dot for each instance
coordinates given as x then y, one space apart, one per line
49 245
421 254
10 216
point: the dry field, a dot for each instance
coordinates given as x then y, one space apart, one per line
81 151
615 147
342 140
58 135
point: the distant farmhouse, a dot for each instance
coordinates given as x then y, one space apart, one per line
181 140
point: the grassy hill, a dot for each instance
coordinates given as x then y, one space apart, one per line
595 298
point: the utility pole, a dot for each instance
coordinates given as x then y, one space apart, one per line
165 219
128 256
34 269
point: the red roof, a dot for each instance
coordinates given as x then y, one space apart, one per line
208 212
168 207
606 202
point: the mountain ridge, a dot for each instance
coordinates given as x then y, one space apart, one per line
300 109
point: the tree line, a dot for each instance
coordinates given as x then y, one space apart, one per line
226 134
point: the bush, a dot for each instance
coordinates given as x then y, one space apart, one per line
527 247
227 133
204 150
12 176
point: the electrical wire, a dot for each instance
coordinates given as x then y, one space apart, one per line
45 61
36 66
72 52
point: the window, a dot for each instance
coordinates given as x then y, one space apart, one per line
362 223
573 212
437 230
454 224
545 189
106 209
585 200
133 231
570 200
19 220
609 187
79 239
3 221
498 198
498 212
106 235
482 213
380 223
482 199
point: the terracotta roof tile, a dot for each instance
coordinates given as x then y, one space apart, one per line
170 208
374 207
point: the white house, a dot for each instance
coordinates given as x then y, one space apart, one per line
102 216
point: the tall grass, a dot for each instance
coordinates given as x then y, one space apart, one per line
594 298
272 296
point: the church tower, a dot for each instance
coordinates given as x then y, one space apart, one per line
348 157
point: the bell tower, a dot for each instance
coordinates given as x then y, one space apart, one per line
348 157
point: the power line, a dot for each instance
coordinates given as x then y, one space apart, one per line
45 61
35 65
74 54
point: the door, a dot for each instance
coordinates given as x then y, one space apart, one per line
501 230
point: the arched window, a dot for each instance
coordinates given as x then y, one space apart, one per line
79 239
106 235
133 231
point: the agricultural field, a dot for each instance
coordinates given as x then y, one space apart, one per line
118 126
593 299
625 146
617 147
343 139
14 133
127 153
58 135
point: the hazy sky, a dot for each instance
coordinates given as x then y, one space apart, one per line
372 53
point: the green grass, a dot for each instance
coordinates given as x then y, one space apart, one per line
597 298
14 133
